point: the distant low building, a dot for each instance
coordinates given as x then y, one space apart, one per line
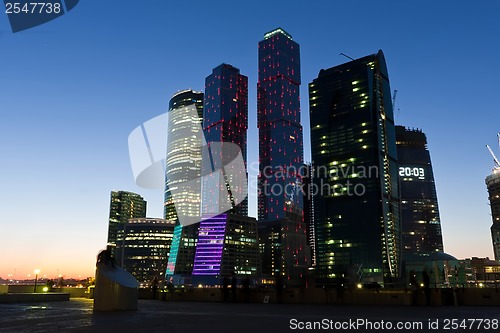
485 271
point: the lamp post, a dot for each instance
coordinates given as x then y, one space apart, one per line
37 271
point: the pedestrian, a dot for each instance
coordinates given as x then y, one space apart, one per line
154 286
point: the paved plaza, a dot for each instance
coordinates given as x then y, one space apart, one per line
157 316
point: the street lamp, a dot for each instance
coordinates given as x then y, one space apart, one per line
37 271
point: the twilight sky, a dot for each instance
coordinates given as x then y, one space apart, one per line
73 89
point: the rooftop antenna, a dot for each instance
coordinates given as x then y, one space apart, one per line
345 55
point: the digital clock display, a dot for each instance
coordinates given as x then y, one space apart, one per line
408 171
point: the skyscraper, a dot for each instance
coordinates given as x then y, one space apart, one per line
183 161
353 145
225 120
227 240
280 130
183 164
420 222
143 246
282 231
493 184
123 206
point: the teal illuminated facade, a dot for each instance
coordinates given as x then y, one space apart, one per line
353 145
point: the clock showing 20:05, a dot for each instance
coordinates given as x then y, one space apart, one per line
409 171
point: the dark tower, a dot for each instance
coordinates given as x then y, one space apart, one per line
493 184
280 129
420 222
282 232
353 145
225 119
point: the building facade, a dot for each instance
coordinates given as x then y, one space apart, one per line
143 246
420 222
353 145
227 246
123 206
183 177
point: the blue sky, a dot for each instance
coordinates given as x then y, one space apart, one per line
73 89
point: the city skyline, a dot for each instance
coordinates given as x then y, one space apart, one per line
60 119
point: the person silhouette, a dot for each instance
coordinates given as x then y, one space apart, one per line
154 286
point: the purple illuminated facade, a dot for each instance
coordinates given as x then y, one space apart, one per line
208 257
227 245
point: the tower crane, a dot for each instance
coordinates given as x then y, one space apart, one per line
495 159
394 99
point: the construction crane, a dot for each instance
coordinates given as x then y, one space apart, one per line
495 159
394 99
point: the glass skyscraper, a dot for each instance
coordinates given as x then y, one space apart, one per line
183 164
225 120
123 206
420 222
227 242
353 145
282 231
280 130
183 160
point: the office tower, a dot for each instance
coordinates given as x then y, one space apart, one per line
493 184
225 120
227 245
353 145
183 165
280 129
183 160
143 246
123 206
282 232
420 222
227 239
